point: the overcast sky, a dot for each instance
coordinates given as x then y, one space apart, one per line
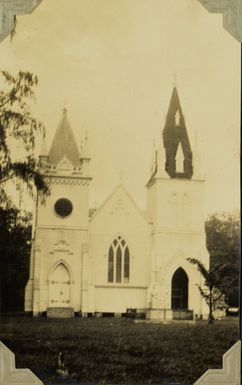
113 63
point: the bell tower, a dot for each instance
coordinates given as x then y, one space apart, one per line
176 219
58 281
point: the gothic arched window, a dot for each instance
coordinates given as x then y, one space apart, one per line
118 261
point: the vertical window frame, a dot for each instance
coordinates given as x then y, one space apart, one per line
119 261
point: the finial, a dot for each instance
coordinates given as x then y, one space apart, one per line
64 109
174 80
120 174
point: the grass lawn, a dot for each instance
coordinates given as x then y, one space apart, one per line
118 351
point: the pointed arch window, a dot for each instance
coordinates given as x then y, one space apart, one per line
177 118
118 261
179 159
179 283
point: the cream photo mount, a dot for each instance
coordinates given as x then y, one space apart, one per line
232 14
230 9
229 374
9 9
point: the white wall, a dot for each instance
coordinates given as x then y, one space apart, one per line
119 299
60 240
119 215
177 233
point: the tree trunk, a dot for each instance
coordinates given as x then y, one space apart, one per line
210 316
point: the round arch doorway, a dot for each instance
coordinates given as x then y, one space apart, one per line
179 290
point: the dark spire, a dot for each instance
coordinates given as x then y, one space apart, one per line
64 143
175 133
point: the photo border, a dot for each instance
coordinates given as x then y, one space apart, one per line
231 11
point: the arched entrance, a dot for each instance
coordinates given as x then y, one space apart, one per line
179 286
60 287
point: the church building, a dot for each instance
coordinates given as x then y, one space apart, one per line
118 257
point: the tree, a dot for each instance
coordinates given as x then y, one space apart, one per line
18 163
217 281
223 244
18 133
14 251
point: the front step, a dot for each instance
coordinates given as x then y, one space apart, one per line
60 312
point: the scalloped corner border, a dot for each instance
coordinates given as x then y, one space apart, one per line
232 22
9 374
11 8
230 372
232 14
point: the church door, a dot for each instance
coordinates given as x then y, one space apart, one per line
60 285
179 297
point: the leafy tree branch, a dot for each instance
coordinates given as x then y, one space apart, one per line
217 281
18 133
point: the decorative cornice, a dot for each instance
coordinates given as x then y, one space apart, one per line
232 14
11 8
74 181
56 227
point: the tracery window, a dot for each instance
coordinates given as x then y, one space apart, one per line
118 261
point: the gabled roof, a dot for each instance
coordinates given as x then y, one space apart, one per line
119 187
64 143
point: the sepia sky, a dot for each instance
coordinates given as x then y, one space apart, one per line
113 63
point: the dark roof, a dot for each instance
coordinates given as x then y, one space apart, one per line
173 134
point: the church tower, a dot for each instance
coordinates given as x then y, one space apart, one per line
176 220
58 281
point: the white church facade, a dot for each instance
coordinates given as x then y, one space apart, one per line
119 257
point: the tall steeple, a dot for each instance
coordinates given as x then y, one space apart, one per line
64 143
62 221
176 141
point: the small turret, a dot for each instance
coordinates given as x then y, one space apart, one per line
161 160
153 164
85 155
198 172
